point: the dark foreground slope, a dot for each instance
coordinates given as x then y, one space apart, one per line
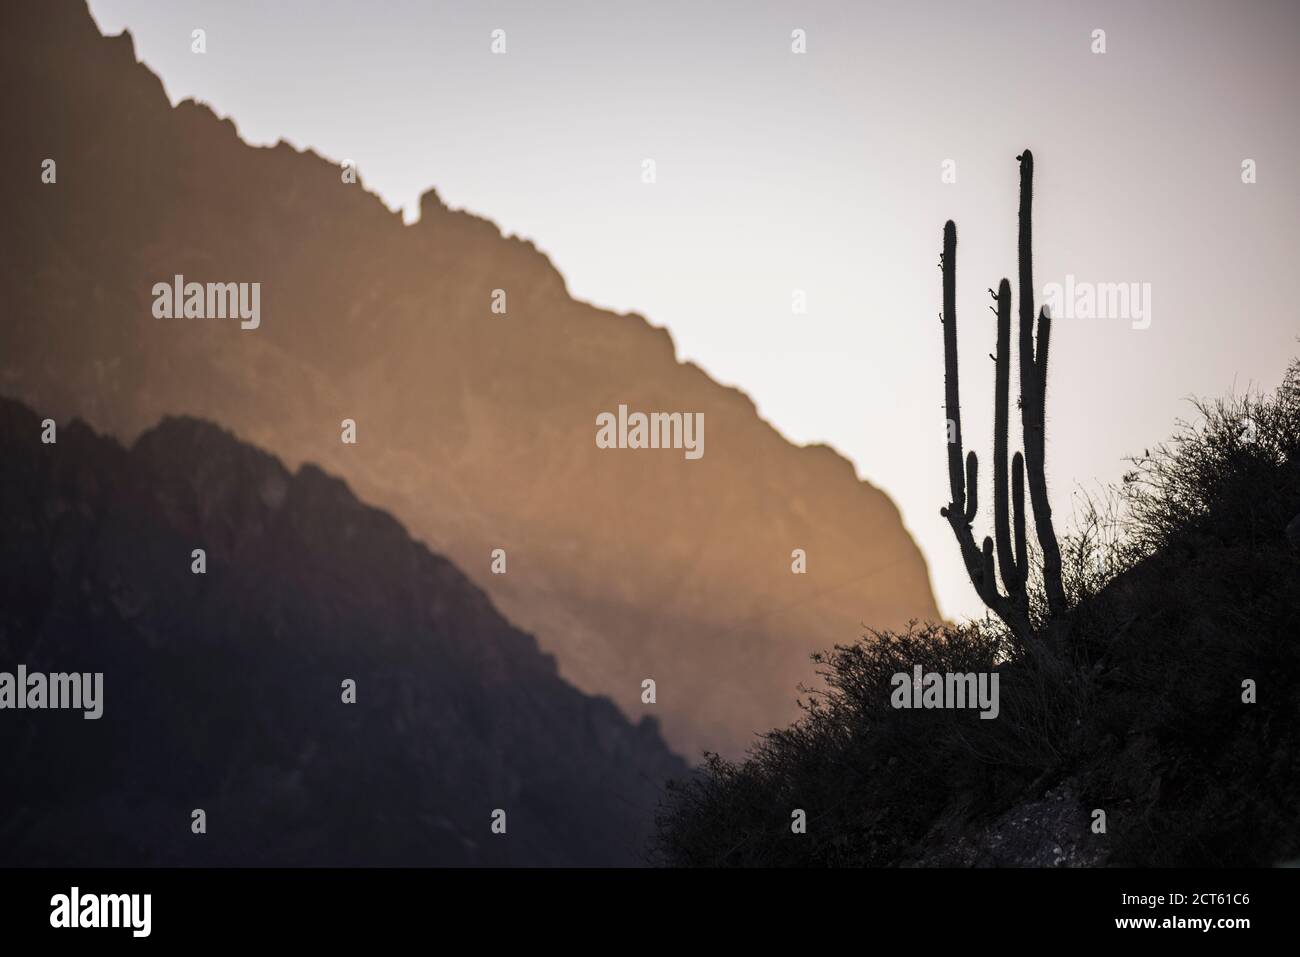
1168 700
475 430
222 691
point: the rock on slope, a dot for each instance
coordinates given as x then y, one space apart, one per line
477 431
222 691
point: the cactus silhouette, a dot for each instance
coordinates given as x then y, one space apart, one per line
1012 603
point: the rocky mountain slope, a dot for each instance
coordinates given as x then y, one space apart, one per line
223 691
476 430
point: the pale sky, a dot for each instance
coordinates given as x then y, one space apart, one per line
821 172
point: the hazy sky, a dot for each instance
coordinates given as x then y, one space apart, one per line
822 172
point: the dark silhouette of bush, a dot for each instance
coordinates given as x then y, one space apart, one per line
872 779
1180 585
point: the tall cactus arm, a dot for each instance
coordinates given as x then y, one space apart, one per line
1002 377
1040 356
1018 510
972 486
1030 375
1033 393
952 400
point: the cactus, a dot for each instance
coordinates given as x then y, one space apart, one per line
1033 395
1011 604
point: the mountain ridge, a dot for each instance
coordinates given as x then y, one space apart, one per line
429 212
475 430
222 689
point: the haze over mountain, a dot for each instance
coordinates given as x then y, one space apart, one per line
476 430
819 173
223 691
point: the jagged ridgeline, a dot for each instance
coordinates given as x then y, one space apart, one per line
324 689
477 428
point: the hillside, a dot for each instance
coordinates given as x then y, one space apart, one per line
1168 698
223 690
476 430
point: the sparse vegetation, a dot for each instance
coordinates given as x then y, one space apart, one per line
1181 584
